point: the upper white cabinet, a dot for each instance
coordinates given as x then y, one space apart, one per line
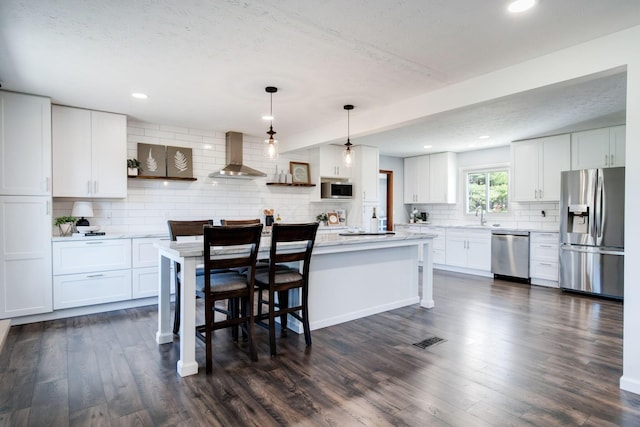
330 162
430 178
442 178
366 170
536 165
90 152
598 148
25 144
416 179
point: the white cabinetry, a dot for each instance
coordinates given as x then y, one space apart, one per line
468 248
144 260
91 272
442 178
439 243
416 179
366 171
536 165
25 145
330 163
598 148
25 205
430 179
543 258
95 143
25 255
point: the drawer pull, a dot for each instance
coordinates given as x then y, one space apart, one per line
546 246
547 264
93 243
94 275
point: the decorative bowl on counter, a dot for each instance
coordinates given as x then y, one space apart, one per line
87 228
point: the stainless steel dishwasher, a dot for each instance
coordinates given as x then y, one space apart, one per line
510 254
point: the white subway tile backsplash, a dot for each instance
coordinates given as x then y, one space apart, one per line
150 203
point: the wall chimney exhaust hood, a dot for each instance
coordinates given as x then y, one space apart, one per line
234 167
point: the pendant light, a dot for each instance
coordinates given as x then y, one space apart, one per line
347 155
271 144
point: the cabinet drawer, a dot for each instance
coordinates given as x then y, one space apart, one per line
537 237
76 290
91 256
544 252
544 270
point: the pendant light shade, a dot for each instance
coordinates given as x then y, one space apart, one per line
271 144
347 154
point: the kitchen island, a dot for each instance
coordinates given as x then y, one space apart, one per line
350 277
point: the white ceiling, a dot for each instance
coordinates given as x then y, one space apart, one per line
205 64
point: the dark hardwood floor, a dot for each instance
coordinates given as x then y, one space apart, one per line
512 355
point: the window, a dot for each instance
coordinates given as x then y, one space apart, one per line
487 189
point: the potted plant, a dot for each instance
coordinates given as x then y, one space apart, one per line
133 166
65 225
322 217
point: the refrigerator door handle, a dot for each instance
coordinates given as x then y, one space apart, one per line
599 214
591 250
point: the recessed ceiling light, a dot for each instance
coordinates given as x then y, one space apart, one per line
518 6
483 137
428 146
139 95
472 145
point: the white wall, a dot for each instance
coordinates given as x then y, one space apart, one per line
150 203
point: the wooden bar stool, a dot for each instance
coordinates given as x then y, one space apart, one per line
280 280
231 285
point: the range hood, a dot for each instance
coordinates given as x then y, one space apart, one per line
234 167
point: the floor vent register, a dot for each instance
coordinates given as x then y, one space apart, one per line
429 342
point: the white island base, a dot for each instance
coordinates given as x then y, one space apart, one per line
347 284
350 277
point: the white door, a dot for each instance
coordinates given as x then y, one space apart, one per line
25 145
525 167
556 158
617 143
590 149
25 256
71 152
109 154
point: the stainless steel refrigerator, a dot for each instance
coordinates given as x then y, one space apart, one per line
592 231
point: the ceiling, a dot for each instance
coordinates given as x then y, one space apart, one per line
205 64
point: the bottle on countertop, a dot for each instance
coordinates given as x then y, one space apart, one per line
374 224
278 219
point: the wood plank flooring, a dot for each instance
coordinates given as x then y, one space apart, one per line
513 355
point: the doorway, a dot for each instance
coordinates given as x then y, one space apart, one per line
385 206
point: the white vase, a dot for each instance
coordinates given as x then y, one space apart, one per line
66 229
132 171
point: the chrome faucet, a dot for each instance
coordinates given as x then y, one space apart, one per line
482 211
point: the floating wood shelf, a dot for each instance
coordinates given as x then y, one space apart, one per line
281 184
164 178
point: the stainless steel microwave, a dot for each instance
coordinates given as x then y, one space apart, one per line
336 190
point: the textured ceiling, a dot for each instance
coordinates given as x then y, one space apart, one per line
205 64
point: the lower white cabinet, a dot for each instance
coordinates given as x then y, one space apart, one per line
144 272
88 272
439 243
468 248
25 255
543 258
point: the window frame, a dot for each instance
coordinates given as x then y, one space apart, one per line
486 169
